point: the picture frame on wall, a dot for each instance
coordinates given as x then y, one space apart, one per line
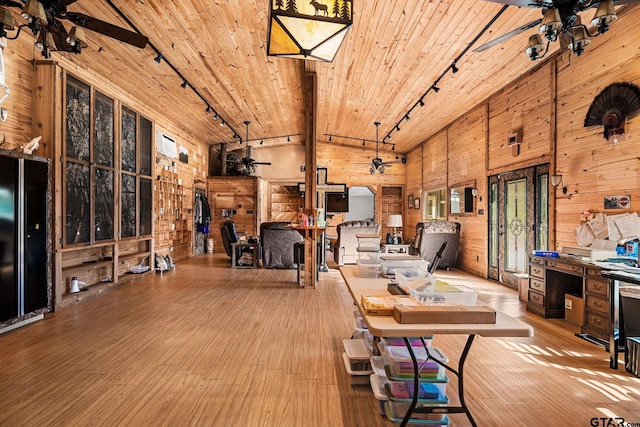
410 204
416 202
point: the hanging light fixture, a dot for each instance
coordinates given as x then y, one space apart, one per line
551 24
535 47
566 21
6 22
579 40
34 11
306 30
46 44
77 39
605 15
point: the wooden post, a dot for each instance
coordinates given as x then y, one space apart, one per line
310 112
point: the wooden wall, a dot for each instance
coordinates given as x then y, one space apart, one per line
238 193
593 167
547 108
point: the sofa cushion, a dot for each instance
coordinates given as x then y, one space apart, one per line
277 244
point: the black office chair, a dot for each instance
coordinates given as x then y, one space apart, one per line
229 235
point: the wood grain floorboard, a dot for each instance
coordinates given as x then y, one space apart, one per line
208 345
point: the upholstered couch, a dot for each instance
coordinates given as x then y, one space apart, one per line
277 243
344 251
429 238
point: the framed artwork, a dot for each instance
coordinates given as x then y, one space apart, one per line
410 201
416 203
184 154
617 202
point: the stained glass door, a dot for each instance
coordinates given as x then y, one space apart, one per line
518 219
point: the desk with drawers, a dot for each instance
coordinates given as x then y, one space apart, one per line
551 278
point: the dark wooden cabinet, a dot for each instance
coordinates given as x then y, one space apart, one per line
551 278
25 239
596 304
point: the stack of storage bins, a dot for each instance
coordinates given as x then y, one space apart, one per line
368 255
357 361
398 387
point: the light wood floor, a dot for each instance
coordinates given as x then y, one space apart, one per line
208 345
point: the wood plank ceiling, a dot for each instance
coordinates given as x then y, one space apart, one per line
393 54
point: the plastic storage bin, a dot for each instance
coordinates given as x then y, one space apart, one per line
369 255
368 267
390 262
396 411
414 341
402 391
399 366
377 385
358 355
446 294
416 278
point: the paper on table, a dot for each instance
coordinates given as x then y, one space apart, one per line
614 231
585 235
609 245
599 226
628 225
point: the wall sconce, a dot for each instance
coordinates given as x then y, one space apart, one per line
556 181
474 192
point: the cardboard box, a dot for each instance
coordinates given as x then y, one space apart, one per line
475 314
573 309
382 305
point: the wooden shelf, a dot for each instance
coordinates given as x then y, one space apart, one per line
172 226
285 203
85 265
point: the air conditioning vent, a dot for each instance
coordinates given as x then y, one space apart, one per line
166 145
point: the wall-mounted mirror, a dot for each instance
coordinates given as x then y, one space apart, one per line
462 199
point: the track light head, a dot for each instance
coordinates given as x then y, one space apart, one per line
215 115
435 88
184 84
158 57
454 68
208 110
421 102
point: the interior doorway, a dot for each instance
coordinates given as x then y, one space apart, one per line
518 220
362 204
199 238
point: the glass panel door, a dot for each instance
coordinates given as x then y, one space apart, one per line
515 217
518 220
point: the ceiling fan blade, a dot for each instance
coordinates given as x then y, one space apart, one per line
508 35
102 27
11 3
59 34
261 163
524 3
